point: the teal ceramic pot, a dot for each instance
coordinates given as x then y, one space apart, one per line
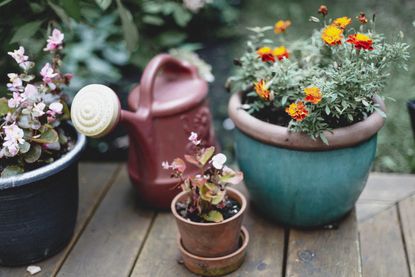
300 182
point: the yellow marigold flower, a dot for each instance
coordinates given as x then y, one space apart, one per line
332 35
265 53
297 111
313 95
262 90
280 52
360 41
342 22
281 26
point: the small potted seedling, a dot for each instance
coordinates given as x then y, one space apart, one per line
208 213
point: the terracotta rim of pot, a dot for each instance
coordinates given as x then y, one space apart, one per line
47 170
241 248
232 190
280 136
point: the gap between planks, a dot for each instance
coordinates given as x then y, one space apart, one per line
144 242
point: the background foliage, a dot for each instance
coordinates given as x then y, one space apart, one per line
218 30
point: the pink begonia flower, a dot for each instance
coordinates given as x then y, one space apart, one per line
19 56
15 101
193 138
16 84
10 117
48 75
54 109
165 165
218 161
37 109
31 93
54 41
14 137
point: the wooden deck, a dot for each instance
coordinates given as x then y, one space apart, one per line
116 237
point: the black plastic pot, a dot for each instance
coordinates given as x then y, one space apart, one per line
411 110
38 210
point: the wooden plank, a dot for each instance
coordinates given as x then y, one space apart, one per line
160 255
94 181
367 209
265 254
266 248
388 187
111 241
407 212
382 248
325 252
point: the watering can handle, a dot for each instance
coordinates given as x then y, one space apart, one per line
159 62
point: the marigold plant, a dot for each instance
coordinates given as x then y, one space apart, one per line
326 81
32 132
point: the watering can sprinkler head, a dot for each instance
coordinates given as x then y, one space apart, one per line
95 110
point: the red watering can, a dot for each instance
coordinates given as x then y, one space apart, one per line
164 109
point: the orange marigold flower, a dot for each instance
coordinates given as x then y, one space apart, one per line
323 10
313 95
332 35
280 53
362 18
281 26
265 53
361 41
297 111
342 22
262 90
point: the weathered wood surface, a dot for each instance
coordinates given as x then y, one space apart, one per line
383 252
407 212
265 254
116 237
368 208
331 252
388 187
110 243
383 191
94 182
160 255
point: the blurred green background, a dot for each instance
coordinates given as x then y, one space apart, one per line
110 41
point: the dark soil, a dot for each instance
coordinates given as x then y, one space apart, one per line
230 209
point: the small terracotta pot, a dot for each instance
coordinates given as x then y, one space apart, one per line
216 266
211 239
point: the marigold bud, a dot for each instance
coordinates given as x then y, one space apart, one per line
362 18
323 10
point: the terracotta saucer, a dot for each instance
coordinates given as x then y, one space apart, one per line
216 266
